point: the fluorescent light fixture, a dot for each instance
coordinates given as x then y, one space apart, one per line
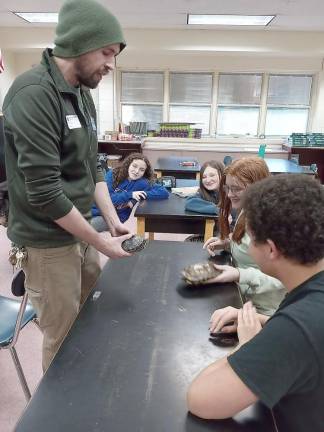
229 20
38 17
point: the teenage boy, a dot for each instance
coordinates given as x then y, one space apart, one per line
281 364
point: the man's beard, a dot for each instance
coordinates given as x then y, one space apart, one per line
83 76
90 81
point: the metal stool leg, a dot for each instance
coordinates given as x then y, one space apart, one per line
36 322
20 373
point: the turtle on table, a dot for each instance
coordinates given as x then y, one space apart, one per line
196 274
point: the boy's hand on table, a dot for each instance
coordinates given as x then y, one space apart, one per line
248 323
224 320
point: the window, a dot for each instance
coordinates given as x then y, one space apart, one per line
239 97
288 104
237 121
103 98
142 97
191 98
245 104
151 114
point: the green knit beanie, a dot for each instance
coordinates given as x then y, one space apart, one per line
84 26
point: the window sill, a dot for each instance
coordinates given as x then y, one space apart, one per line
239 145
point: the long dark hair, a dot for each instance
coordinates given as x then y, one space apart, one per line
120 173
247 170
204 193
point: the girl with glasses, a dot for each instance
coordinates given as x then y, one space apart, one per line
264 291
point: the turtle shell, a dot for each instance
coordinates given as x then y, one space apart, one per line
134 244
224 340
199 273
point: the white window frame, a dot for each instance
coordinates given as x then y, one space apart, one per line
214 100
290 106
210 105
233 105
120 103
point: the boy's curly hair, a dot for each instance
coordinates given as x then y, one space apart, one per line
120 173
289 210
246 170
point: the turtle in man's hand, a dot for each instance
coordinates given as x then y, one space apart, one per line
134 244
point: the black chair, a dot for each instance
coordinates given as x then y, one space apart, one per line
227 160
15 314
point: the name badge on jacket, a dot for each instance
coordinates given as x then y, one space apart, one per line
73 121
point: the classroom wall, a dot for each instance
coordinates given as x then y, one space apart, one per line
8 75
256 51
191 50
205 156
317 124
197 62
253 51
219 62
26 60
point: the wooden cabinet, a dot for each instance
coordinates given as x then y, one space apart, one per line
123 148
308 156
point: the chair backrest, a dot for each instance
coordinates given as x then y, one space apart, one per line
314 168
18 284
228 160
17 315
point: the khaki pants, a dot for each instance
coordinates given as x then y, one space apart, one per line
58 281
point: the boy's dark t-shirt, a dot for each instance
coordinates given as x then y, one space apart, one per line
283 365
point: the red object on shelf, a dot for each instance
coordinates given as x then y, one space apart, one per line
125 137
187 163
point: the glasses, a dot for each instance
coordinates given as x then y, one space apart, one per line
234 189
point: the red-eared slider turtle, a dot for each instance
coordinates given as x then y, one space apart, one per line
196 274
134 244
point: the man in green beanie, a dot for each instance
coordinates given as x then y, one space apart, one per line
51 162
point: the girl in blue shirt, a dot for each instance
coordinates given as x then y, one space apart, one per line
129 183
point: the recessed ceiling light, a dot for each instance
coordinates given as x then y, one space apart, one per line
230 20
38 17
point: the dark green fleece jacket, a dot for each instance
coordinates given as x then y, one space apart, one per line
51 154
